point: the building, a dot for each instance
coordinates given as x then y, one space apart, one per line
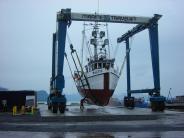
180 99
17 98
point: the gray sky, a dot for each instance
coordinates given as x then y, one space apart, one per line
26 29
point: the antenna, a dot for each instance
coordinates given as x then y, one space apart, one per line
108 38
98 7
82 47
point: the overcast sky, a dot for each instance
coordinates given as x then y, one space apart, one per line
26 29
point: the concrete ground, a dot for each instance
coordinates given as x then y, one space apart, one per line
128 124
23 134
92 110
107 113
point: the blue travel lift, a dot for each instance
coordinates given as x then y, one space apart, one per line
157 101
57 100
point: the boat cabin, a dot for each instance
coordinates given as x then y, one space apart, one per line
99 64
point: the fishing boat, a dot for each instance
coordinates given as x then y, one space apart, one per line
97 79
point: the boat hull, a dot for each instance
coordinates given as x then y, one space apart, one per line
97 97
101 87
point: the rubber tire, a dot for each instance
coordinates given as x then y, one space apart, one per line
132 104
129 102
125 103
153 106
49 107
158 106
62 108
161 106
55 108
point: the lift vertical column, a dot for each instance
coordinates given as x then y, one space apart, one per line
154 47
52 84
57 99
157 101
128 68
128 100
61 37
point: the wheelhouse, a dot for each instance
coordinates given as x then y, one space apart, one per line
99 64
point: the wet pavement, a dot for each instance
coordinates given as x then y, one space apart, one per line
170 134
107 113
92 110
167 124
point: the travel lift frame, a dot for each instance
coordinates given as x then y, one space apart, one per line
157 101
56 99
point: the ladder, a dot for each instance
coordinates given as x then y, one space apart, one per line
79 70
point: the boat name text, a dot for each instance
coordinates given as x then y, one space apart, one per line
97 71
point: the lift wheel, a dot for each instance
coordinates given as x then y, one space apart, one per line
157 103
54 108
129 102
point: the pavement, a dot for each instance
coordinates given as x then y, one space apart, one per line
165 124
92 110
94 113
22 134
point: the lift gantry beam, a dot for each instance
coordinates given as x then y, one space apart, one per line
138 28
66 14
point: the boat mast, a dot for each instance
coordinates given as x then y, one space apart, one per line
95 33
108 39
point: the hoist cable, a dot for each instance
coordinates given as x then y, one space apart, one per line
70 70
125 57
82 72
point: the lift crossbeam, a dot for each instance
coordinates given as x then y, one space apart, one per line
143 91
65 14
138 28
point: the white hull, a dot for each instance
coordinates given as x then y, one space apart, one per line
97 81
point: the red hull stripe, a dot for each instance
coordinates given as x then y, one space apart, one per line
106 81
97 97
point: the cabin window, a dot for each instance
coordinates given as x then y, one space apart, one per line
104 64
86 68
112 65
107 66
95 65
89 68
99 65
